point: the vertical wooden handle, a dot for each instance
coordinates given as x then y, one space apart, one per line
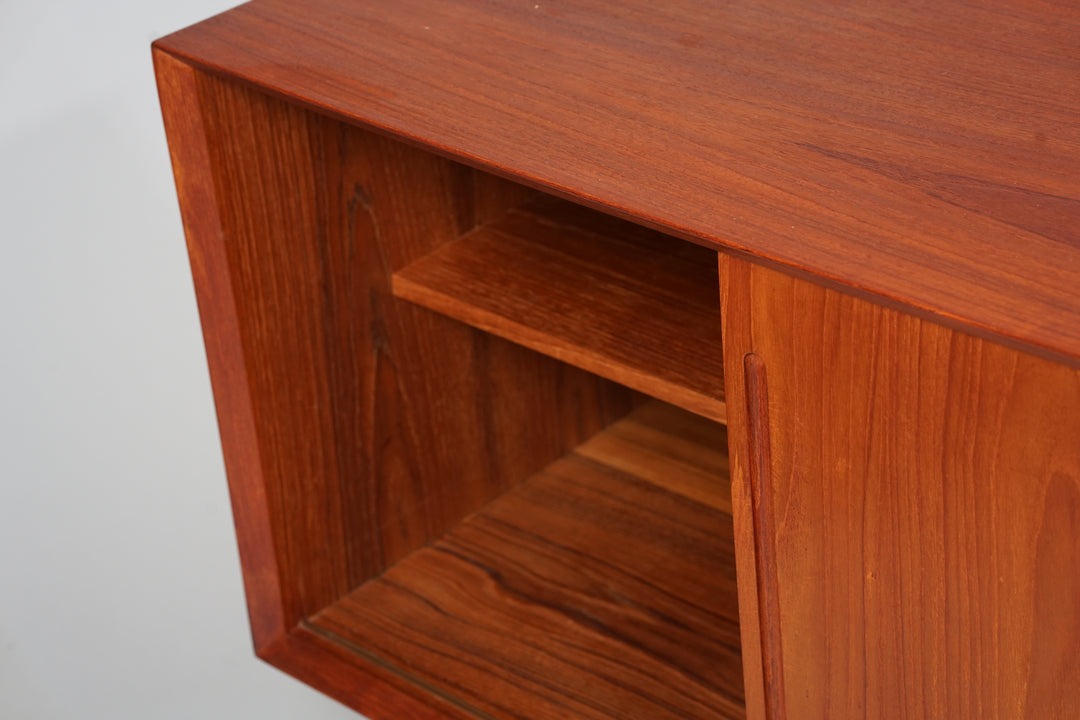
757 414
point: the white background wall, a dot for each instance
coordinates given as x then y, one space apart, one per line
120 591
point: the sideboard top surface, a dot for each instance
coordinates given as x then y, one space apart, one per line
926 155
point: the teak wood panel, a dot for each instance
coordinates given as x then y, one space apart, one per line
598 589
925 487
923 154
355 427
619 300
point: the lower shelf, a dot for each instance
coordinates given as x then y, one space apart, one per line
602 587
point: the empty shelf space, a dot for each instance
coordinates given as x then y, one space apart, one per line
602 587
624 302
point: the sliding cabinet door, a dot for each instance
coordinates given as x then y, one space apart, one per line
908 511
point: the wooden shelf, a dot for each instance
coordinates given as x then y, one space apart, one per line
619 300
602 587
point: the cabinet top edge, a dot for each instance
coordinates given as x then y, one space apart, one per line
926 156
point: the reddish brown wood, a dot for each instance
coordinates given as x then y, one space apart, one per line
759 460
926 509
629 304
356 428
922 487
364 406
736 315
178 86
925 156
351 679
588 591
663 437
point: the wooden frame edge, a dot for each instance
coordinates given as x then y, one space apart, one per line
334 671
189 153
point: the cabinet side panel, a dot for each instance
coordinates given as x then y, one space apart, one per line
264 174
926 487
378 424
184 126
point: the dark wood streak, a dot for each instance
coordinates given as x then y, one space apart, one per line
522 671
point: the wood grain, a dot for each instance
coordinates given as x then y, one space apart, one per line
179 92
735 312
351 679
661 438
926 490
629 304
924 474
356 428
759 462
587 591
927 156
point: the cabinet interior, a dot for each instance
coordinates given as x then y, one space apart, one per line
490 424
604 584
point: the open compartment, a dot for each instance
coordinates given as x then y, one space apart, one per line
604 585
601 587
484 463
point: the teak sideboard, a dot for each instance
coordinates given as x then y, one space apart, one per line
581 360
